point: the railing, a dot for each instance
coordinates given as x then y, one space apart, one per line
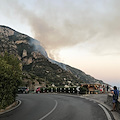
119 88
67 90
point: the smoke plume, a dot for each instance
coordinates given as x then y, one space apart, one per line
67 23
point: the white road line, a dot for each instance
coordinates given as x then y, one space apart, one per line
106 112
56 103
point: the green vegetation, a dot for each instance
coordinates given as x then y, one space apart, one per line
44 71
83 90
37 69
10 79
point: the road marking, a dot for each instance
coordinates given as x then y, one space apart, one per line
106 112
56 103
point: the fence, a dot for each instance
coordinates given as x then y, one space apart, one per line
119 88
63 90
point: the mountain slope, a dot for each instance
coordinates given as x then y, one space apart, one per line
82 76
36 62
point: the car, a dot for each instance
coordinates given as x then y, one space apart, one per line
38 90
23 90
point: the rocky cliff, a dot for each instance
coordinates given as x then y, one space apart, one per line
36 63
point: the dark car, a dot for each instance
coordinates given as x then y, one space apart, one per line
23 90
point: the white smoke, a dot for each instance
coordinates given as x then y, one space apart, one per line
67 23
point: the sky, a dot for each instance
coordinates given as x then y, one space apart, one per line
81 33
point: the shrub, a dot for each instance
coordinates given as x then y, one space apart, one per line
10 79
83 90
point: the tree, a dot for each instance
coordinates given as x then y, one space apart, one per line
10 79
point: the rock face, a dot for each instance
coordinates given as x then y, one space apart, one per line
6 31
35 60
24 53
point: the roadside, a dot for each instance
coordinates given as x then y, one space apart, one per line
102 99
11 107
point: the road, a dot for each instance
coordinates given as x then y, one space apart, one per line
55 107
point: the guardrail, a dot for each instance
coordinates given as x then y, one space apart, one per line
72 90
119 88
58 90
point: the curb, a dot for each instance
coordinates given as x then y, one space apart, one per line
12 107
115 114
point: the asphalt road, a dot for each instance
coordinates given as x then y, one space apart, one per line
55 107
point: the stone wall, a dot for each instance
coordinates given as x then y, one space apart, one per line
109 102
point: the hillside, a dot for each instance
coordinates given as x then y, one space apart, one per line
82 76
37 66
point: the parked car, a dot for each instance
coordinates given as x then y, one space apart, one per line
38 90
23 90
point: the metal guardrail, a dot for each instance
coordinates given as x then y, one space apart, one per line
65 90
119 88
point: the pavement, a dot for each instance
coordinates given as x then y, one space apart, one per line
55 107
102 98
